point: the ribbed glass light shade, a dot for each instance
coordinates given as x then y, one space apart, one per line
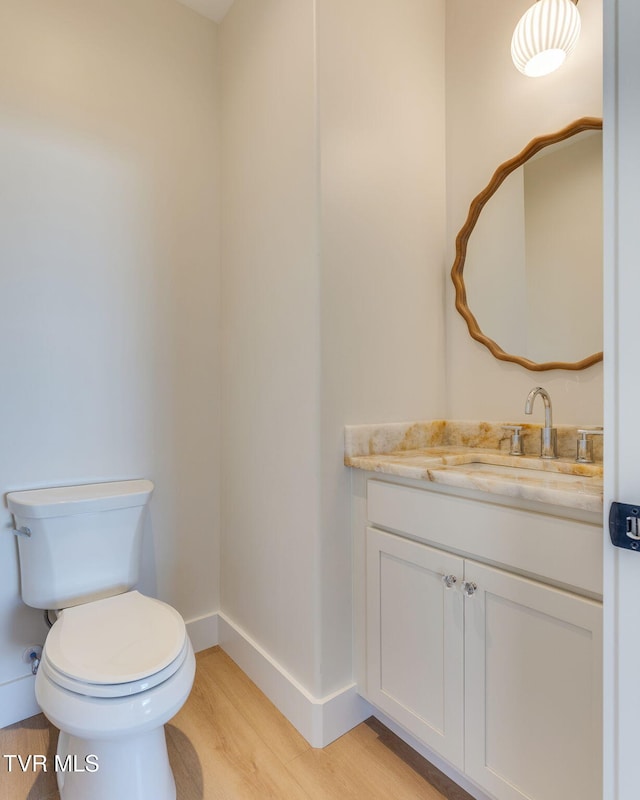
546 34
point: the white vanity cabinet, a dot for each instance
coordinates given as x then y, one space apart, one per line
533 692
497 672
415 640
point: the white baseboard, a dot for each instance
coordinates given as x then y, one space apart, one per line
17 700
319 720
203 631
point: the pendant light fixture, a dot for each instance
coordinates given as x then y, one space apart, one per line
546 34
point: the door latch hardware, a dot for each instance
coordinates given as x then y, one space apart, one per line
624 525
633 529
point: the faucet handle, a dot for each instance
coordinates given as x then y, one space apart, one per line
516 439
584 446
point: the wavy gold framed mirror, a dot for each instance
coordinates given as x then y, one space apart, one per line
532 271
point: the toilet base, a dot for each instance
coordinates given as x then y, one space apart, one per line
131 767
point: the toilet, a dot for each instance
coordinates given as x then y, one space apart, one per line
116 664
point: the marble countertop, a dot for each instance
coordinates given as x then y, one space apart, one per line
475 455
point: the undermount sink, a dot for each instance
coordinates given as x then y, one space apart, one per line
524 472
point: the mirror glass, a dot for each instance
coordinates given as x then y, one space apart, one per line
533 260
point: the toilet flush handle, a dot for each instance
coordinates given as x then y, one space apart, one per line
22 531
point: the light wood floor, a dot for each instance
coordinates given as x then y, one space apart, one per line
230 743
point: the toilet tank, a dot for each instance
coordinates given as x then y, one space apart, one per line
84 543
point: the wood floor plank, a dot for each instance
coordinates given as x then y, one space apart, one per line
33 736
431 774
254 706
359 766
235 762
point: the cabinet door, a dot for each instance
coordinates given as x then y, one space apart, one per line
415 640
533 684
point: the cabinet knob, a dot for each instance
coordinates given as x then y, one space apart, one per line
449 581
469 588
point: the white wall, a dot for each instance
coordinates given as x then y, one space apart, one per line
332 230
381 140
109 278
492 113
271 334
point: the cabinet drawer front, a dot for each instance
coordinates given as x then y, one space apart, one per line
561 550
533 722
415 640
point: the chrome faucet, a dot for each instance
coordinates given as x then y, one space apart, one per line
548 435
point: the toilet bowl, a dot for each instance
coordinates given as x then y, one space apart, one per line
112 673
116 665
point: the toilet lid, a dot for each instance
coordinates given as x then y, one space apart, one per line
112 690
116 640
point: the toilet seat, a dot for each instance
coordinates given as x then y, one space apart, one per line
114 647
102 690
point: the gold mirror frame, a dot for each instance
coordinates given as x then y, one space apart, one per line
478 203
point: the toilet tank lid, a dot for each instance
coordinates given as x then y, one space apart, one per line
88 498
